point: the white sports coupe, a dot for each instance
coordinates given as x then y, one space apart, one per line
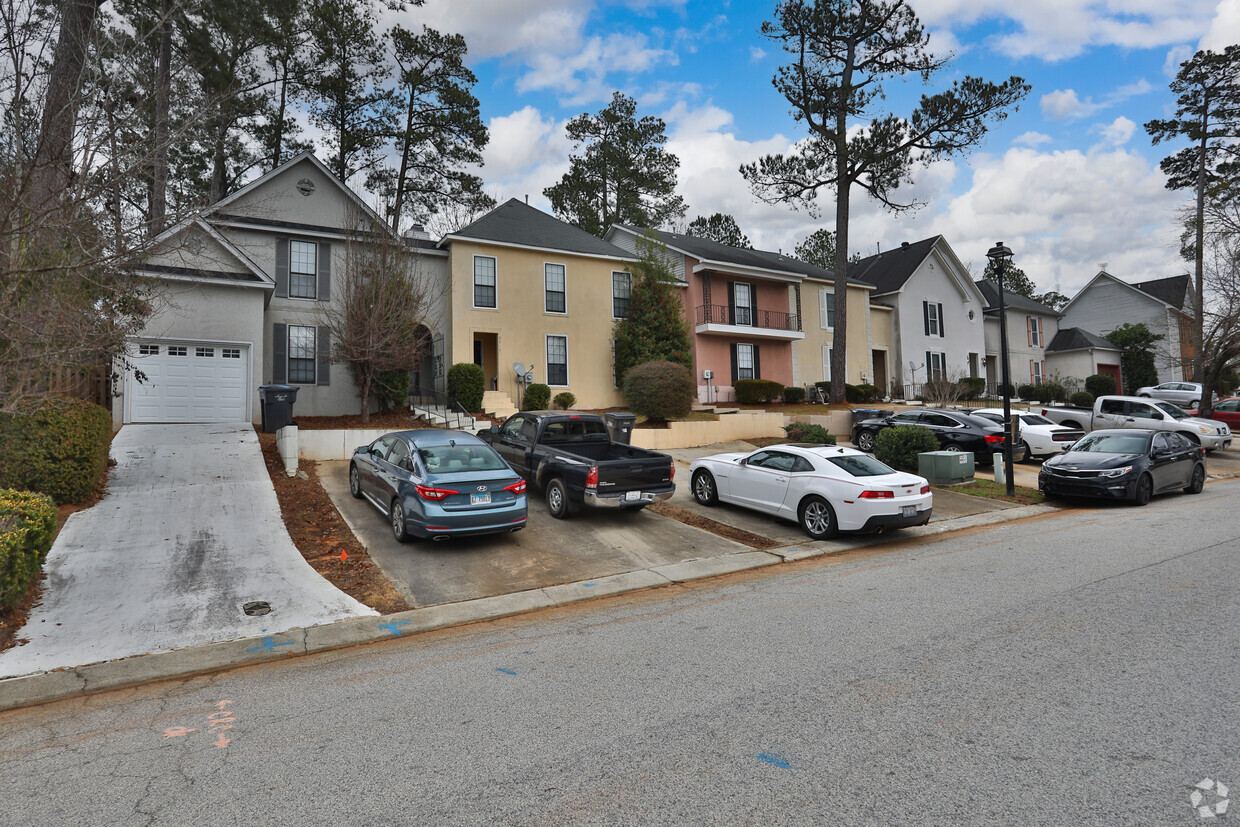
1039 437
823 487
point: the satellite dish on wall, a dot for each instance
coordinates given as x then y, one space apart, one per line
519 368
912 365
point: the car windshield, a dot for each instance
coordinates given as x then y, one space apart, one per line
1113 444
991 416
1171 410
445 459
860 465
1034 419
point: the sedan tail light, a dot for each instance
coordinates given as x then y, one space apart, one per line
592 477
994 438
877 495
517 487
426 492
925 489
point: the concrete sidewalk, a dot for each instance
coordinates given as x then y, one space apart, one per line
190 531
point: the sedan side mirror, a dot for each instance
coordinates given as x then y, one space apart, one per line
494 429
1157 416
362 449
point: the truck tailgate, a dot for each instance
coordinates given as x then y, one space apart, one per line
619 475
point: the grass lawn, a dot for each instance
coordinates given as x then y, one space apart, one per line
994 491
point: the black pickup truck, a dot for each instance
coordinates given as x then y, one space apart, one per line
571 457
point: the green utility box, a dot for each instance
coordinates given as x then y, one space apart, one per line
946 467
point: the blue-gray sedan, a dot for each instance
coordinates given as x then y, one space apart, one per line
438 484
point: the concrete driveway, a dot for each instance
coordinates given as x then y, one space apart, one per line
189 533
546 552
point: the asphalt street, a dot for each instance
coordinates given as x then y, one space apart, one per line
1079 668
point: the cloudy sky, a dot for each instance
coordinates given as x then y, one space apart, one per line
1068 182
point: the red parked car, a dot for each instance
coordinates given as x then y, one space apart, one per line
1226 411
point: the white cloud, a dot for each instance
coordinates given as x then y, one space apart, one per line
1224 28
527 153
499 28
581 76
1118 132
1033 139
1176 56
1063 104
756 53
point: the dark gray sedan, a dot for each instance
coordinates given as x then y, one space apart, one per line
438 484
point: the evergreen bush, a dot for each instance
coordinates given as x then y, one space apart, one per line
1100 385
564 400
808 432
537 397
58 448
466 384
27 522
1083 399
899 446
757 391
794 395
660 391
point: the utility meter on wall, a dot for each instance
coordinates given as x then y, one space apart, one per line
708 374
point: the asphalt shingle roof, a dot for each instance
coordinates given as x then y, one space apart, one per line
888 271
515 222
1074 338
1171 290
705 249
1015 301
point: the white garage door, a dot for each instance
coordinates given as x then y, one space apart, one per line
189 382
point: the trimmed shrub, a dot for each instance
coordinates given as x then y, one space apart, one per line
854 394
794 395
537 397
391 389
808 432
1055 392
1025 391
757 391
565 400
899 446
58 448
660 391
973 387
1083 399
1009 389
1100 385
467 383
27 522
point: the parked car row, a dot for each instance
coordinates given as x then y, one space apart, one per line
1143 412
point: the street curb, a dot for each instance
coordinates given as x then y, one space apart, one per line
41 687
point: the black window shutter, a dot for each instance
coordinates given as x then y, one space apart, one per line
323 374
279 352
757 364
925 316
282 268
732 347
942 332
929 375
732 309
325 271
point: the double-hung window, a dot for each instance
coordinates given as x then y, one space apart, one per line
553 279
1037 371
303 271
932 315
742 304
744 362
621 291
557 360
302 343
1035 330
484 281
826 308
936 366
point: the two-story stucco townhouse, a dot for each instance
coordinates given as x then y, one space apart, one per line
1164 305
528 288
937 312
240 295
756 314
1038 347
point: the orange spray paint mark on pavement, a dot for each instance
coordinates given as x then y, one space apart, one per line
178 731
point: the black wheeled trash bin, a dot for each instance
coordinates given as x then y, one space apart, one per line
276 404
620 426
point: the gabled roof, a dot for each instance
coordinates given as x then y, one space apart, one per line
1156 291
515 223
710 252
250 273
888 271
1171 290
1013 301
302 157
1075 338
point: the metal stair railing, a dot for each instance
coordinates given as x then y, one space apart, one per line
439 404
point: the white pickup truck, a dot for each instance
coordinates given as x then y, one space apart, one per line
1138 412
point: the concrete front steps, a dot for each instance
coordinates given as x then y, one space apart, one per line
438 416
498 404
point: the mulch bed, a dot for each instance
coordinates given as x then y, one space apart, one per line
687 517
320 533
395 420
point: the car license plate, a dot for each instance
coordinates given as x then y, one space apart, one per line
632 496
479 499
908 511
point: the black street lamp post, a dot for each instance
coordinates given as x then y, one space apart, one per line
999 254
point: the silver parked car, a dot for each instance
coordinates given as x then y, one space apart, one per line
1181 393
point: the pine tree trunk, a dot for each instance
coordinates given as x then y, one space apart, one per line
163 94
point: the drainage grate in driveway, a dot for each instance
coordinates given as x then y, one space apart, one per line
256 608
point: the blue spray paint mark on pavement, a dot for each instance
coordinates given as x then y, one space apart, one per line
269 644
771 759
588 585
391 627
505 671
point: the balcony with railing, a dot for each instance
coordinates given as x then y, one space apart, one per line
731 320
